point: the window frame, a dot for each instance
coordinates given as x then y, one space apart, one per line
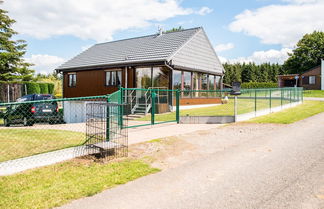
72 77
312 80
114 73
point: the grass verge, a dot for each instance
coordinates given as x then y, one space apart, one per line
55 185
313 93
291 115
17 143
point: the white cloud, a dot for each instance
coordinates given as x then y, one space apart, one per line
281 24
259 57
204 11
224 47
95 19
44 63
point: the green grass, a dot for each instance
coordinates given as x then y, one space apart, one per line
313 93
244 106
291 115
16 143
58 184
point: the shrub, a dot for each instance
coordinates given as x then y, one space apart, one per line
33 88
43 88
51 88
258 85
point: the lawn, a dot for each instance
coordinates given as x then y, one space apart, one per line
58 184
17 143
313 93
244 106
291 115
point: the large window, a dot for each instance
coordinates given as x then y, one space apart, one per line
161 77
204 81
187 80
144 77
113 77
211 82
218 79
72 79
177 79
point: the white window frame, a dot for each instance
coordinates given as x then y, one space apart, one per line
312 80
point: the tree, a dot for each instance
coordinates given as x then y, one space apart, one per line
307 54
12 65
180 28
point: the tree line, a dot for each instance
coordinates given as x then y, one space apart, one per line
251 72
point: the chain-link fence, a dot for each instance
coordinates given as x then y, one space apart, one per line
52 130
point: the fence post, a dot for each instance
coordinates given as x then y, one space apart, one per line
120 108
281 96
270 99
177 106
235 109
153 107
107 120
290 95
255 101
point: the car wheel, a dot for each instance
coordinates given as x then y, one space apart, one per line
6 122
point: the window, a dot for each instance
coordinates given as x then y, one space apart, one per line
160 76
211 82
177 77
113 78
312 79
187 80
72 79
204 81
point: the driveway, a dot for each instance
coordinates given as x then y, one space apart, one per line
236 166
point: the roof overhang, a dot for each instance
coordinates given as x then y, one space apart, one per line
177 67
113 65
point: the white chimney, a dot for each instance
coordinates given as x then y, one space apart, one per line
160 31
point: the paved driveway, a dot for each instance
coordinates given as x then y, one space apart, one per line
240 166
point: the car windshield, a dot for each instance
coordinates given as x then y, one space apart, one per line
43 97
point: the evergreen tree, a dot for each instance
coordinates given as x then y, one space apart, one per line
12 65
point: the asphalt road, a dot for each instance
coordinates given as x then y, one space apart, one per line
282 167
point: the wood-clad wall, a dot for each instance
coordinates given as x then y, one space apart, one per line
89 83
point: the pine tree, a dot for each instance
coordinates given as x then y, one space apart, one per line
12 65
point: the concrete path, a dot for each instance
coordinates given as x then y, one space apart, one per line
314 98
268 167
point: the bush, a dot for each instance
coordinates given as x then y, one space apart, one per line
33 88
43 88
51 88
258 85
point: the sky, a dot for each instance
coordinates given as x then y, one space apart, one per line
239 30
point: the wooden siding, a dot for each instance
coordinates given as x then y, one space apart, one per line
89 83
314 72
198 54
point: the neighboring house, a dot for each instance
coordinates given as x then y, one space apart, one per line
174 60
312 79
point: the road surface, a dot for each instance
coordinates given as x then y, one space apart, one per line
238 166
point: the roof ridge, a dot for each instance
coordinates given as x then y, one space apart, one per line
195 28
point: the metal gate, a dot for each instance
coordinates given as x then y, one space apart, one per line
105 134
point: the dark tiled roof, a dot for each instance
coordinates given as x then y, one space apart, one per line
141 49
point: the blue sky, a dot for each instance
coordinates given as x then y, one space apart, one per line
240 31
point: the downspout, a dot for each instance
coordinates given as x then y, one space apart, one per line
171 97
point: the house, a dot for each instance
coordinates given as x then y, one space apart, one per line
173 60
312 79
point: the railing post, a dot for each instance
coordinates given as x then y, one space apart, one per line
178 106
153 107
120 108
281 97
235 109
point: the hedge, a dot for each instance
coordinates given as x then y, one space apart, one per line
43 88
51 88
258 85
33 88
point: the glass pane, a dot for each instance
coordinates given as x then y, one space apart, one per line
108 78
211 79
218 82
204 81
118 77
177 75
143 78
161 77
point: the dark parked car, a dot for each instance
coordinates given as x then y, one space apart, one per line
30 113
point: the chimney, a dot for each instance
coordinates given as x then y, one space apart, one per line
160 31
